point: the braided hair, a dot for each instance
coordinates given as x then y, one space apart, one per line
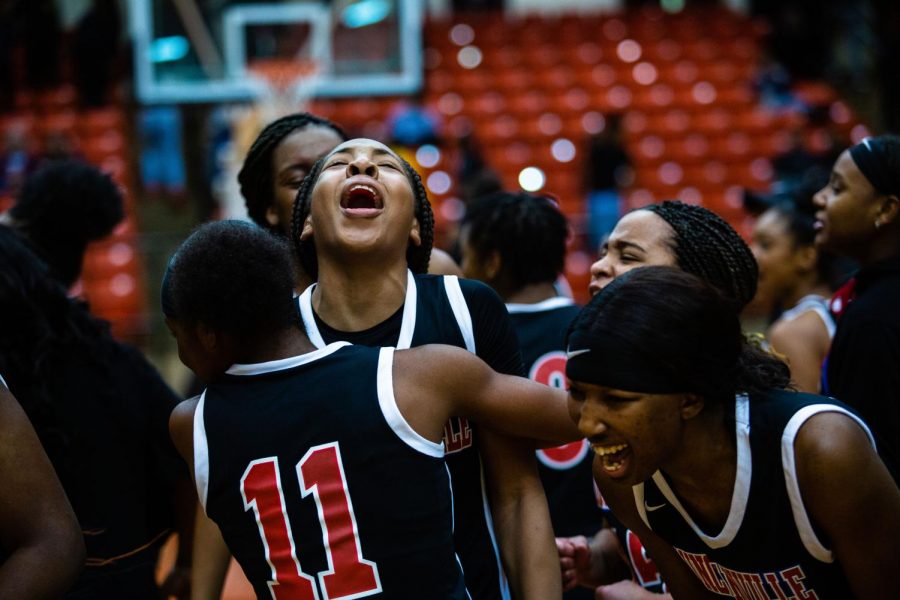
707 246
528 231
255 176
417 257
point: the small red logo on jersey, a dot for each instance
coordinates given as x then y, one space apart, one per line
550 369
457 435
564 457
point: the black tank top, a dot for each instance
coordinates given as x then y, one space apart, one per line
767 547
319 486
436 312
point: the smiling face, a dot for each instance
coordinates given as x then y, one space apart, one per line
782 261
847 210
640 239
362 202
632 434
292 160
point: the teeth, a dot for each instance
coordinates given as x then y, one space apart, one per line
611 466
360 186
604 450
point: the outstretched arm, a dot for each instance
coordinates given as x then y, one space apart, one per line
38 529
521 517
851 498
459 383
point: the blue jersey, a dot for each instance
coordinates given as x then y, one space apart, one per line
320 487
768 547
466 314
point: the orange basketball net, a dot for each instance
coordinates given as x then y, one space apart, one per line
287 84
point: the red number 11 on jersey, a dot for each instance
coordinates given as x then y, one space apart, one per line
321 473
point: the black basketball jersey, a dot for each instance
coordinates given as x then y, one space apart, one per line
565 470
320 487
436 312
767 548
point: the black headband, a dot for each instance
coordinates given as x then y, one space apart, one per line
607 359
869 158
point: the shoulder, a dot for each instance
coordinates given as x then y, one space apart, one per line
477 292
181 427
805 327
434 362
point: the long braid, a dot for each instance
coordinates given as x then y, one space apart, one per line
417 257
255 176
707 246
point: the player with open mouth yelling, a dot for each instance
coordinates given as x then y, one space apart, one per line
736 486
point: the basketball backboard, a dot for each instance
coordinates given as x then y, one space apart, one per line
204 50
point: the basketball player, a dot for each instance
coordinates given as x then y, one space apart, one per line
859 217
697 241
516 243
43 550
363 228
323 467
736 487
278 160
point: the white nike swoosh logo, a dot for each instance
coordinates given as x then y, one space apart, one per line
652 508
574 353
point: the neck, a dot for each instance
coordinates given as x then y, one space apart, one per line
703 473
288 342
882 244
530 294
806 285
357 297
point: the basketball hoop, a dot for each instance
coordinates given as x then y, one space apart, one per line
286 85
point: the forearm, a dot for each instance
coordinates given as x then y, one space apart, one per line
521 519
211 559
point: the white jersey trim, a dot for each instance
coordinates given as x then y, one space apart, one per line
543 305
201 452
407 327
741 493
408 324
460 310
285 363
304 304
801 519
391 411
3 381
817 304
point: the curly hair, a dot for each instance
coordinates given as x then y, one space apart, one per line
687 327
44 333
707 246
232 276
528 231
417 257
63 206
255 176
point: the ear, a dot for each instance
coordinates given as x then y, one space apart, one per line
272 216
209 338
691 406
492 265
888 210
307 229
415 234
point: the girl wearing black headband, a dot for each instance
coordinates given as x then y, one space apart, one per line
699 242
735 486
859 217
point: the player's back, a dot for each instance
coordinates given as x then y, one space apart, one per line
318 484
